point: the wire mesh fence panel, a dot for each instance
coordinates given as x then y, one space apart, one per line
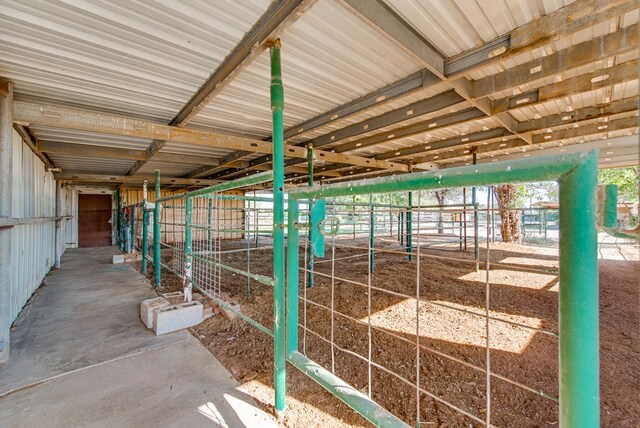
423 334
172 234
209 238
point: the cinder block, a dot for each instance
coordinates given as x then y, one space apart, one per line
172 295
176 317
174 298
147 307
118 258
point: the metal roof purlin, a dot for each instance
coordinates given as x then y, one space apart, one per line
498 50
280 14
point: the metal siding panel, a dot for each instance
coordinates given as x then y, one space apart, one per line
33 245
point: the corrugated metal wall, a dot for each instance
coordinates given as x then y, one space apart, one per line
33 245
233 216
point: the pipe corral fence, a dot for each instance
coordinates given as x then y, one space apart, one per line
207 235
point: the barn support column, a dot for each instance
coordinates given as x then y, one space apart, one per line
156 230
474 202
310 183
277 109
6 195
145 227
579 347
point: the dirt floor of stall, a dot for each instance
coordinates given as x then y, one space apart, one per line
525 297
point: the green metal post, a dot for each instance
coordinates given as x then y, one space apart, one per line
293 263
579 365
401 229
476 251
310 183
132 232
156 230
371 234
145 227
410 227
277 110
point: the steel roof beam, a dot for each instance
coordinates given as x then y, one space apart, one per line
94 151
542 31
627 105
69 118
603 47
31 141
279 15
399 32
71 176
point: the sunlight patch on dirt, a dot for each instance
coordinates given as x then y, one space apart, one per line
450 324
536 281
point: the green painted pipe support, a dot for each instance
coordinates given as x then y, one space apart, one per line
277 110
373 412
410 227
474 202
371 235
132 231
578 332
145 228
310 276
608 213
209 219
579 361
156 231
293 266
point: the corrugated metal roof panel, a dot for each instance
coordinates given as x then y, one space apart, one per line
46 133
329 57
167 169
578 101
142 57
602 29
91 165
457 26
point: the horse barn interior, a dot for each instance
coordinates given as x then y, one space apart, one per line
309 213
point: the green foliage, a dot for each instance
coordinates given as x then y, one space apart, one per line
627 180
530 193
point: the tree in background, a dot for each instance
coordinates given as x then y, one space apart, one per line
507 197
627 180
444 196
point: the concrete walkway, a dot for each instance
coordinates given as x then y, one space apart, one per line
80 356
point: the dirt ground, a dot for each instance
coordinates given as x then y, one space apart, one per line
453 325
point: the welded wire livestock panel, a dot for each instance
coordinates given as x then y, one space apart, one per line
426 337
207 238
172 232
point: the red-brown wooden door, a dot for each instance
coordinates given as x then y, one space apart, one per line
94 213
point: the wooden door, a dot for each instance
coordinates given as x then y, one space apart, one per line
94 213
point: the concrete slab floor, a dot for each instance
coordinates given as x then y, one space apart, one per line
82 357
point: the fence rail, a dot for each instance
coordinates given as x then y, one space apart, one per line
578 296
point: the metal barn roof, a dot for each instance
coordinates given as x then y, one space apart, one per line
352 86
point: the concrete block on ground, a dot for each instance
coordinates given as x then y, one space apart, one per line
118 258
176 317
148 306
174 298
